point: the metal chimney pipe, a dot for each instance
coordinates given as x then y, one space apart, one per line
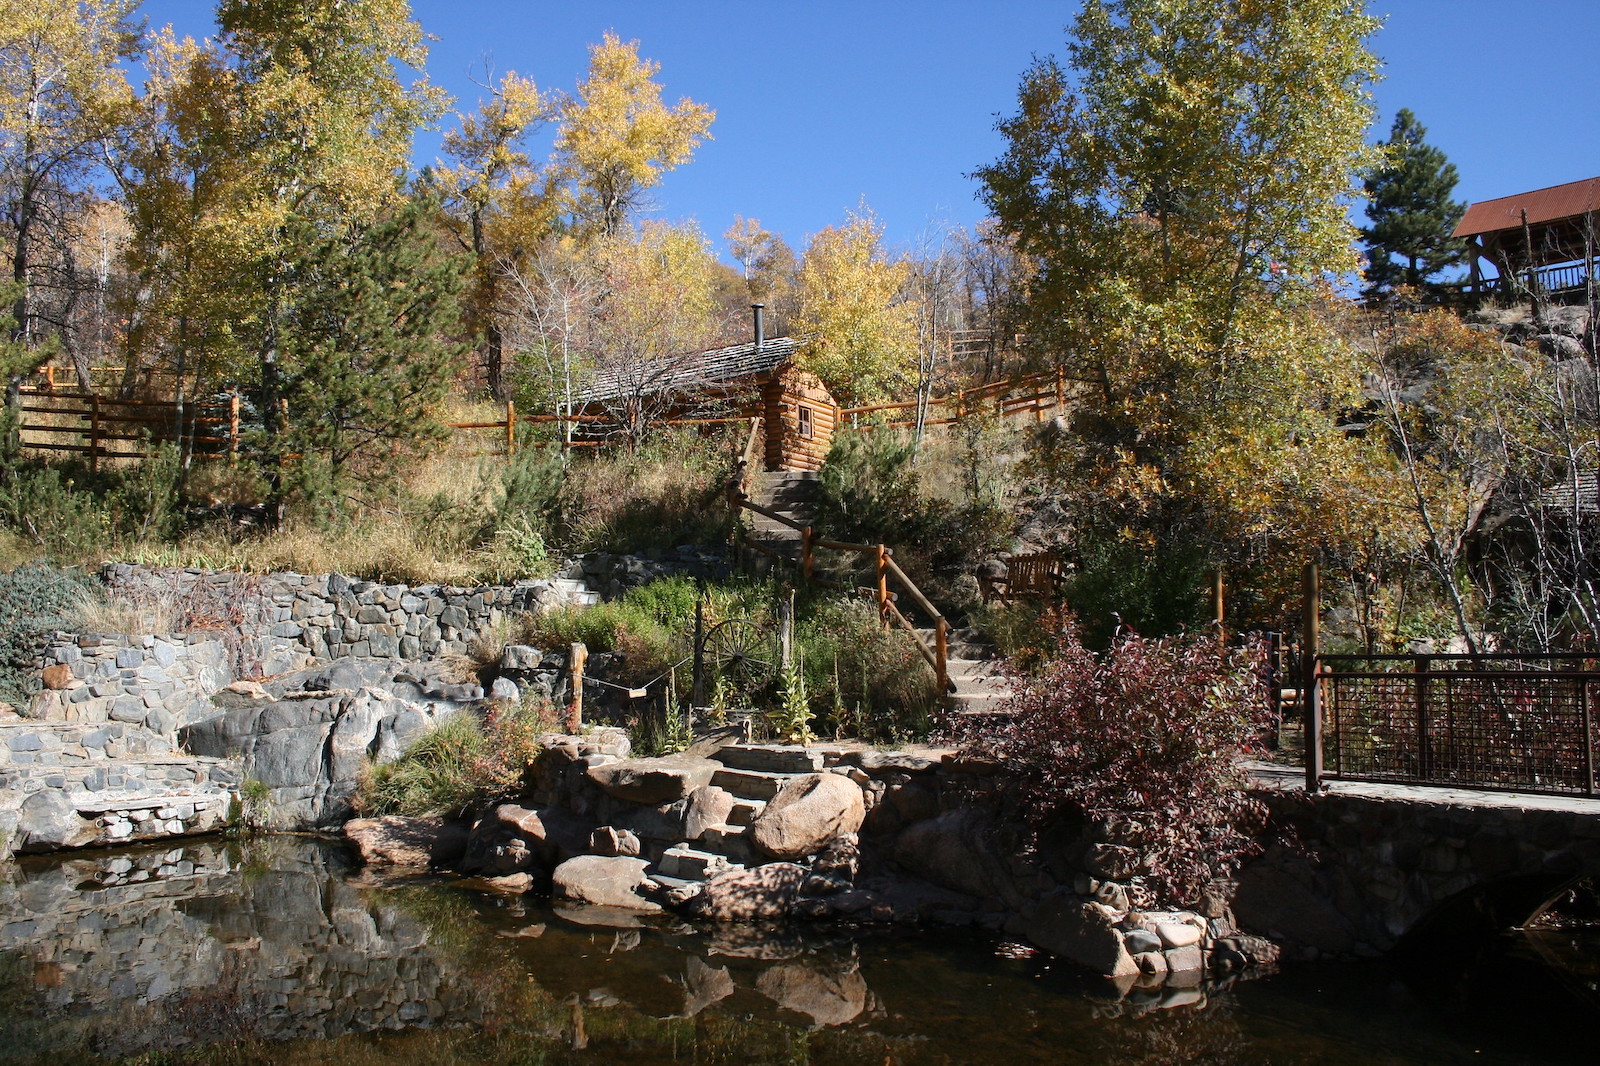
761 332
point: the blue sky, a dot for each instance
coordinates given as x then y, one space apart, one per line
823 104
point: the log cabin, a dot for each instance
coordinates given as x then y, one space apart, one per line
758 378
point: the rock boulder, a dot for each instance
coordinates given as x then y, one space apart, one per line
806 814
397 841
603 880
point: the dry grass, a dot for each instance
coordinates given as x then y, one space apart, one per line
126 612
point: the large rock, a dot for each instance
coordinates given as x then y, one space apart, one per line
603 880
513 839
393 840
1083 931
47 820
956 851
760 893
806 814
708 806
653 781
322 727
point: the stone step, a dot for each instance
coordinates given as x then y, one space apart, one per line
746 811
778 758
693 864
161 774
27 742
669 883
730 840
752 784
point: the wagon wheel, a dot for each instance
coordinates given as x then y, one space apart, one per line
744 654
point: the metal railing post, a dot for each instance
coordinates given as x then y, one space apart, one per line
1310 687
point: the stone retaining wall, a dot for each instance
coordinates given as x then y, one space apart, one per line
159 682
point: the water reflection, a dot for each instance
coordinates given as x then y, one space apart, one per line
276 950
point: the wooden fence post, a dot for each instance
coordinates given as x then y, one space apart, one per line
808 559
577 657
511 428
941 651
1218 605
883 584
1310 690
233 429
94 432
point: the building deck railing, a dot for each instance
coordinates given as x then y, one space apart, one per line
1523 722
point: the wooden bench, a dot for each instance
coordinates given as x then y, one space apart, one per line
1036 576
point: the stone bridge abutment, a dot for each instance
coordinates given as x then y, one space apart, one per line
1359 868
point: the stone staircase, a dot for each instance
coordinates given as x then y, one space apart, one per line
791 493
977 686
753 774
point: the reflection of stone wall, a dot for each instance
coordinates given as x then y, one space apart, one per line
207 946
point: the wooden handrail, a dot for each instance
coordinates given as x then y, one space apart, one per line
937 656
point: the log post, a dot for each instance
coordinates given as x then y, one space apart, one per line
94 432
883 584
941 651
511 428
1218 604
1310 690
808 559
233 429
578 656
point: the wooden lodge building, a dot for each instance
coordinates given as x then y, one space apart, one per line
1547 240
742 381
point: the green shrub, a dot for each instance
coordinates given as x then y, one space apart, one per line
862 678
458 764
35 601
51 510
1122 584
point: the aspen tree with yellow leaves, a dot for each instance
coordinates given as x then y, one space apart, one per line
858 332
617 137
62 98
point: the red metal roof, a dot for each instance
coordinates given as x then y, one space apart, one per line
1542 205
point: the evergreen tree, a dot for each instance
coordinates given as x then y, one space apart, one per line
366 348
1412 215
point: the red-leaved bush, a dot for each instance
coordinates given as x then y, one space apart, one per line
1141 744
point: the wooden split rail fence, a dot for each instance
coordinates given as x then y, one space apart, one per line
100 427
57 418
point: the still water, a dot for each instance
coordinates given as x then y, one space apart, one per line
278 950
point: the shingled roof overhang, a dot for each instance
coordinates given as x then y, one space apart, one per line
691 371
1558 202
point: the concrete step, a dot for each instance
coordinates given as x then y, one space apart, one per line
752 784
681 860
778 758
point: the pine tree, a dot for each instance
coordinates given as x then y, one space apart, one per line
1412 215
367 350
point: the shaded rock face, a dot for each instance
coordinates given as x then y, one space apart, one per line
806 814
310 738
603 881
512 839
48 820
761 893
1082 931
396 841
954 851
653 781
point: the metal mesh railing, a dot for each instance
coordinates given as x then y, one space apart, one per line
1527 723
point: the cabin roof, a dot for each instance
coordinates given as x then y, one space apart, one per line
1581 495
692 370
1575 198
